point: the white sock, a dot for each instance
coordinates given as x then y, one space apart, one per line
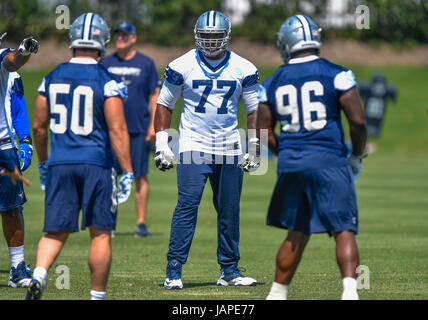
349 284
278 291
16 255
40 274
98 295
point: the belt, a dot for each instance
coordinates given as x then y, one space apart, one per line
5 141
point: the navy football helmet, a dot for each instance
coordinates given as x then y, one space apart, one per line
298 33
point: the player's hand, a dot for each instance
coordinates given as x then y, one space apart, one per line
15 175
150 134
125 185
28 45
25 154
164 157
356 163
250 162
43 172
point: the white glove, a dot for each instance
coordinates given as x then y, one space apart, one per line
164 157
250 162
356 163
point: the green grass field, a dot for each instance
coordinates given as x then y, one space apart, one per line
393 239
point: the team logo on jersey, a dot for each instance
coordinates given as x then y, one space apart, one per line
238 72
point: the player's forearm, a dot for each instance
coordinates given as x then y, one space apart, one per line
41 142
267 121
120 143
14 60
162 119
358 133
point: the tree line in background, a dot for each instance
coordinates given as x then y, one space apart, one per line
171 22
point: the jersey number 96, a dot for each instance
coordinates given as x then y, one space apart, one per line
308 107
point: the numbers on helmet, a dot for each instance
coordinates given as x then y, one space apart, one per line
286 98
82 127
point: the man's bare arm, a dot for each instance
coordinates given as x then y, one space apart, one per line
267 120
153 106
162 119
14 60
351 105
40 128
118 131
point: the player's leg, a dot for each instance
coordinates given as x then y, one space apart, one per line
287 261
348 261
141 199
226 183
12 197
50 246
140 158
191 179
335 198
14 234
99 260
99 207
62 206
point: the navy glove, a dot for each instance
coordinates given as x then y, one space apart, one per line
43 171
25 154
125 185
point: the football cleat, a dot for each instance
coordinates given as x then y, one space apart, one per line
35 289
173 284
141 230
173 276
234 277
20 276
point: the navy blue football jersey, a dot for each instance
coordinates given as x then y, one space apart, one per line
75 93
304 97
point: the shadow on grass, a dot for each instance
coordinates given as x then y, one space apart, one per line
120 234
190 285
4 271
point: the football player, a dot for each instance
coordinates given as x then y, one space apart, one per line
81 103
315 190
14 118
210 79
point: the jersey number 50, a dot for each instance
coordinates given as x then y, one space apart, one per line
308 107
60 126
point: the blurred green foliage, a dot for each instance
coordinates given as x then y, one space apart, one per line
171 22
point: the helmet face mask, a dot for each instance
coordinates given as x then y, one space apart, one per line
89 31
212 33
298 33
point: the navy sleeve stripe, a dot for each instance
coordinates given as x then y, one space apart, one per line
173 77
5 52
18 87
250 80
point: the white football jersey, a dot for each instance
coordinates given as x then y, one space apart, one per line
7 80
210 93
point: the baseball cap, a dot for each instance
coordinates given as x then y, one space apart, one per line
126 27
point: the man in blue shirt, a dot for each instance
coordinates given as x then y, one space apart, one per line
315 191
139 73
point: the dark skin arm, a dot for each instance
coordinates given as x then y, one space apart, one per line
14 60
266 120
162 119
351 105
